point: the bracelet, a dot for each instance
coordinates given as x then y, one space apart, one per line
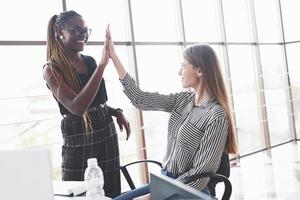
117 110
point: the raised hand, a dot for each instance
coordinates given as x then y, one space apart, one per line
113 55
111 47
105 52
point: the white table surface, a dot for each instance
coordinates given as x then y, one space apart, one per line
79 198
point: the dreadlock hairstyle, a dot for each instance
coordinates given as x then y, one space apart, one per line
204 57
57 57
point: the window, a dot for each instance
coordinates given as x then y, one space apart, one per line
237 22
267 20
200 21
97 14
22 20
290 14
246 105
154 20
294 70
256 67
276 96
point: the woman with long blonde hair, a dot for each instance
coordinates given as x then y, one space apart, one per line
77 84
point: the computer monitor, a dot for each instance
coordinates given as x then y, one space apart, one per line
165 188
25 174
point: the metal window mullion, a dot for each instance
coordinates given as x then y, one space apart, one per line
64 5
130 43
181 24
288 87
224 45
22 43
291 42
260 81
141 143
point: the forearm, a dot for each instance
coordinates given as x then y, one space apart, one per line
86 96
147 100
119 67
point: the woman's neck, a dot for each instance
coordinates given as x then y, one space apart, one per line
77 62
201 95
74 56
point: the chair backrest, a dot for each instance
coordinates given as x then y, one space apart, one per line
221 175
127 175
218 177
224 169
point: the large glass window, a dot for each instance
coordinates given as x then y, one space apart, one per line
237 23
27 20
246 109
30 115
275 93
24 95
290 15
97 14
22 71
200 20
154 20
294 71
267 20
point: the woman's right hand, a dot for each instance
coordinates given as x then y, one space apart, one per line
113 55
111 47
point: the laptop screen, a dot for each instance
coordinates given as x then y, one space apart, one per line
165 188
26 174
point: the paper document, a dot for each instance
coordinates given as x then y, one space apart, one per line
69 188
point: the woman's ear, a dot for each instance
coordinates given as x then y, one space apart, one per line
199 73
59 33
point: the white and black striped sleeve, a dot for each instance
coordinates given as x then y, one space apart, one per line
147 100
209 153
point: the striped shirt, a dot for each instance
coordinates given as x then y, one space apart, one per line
196 134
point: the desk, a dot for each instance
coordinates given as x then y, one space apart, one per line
68 187
79 198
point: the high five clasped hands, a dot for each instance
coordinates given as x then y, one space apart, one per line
109 52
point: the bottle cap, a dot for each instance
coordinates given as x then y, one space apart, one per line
92 161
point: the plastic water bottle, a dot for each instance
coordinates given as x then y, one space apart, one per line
93 177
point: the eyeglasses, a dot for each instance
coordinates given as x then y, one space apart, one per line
78 31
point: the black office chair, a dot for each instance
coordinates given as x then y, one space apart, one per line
127 175
224 170
221 175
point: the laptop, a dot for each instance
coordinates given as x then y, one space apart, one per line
25 174
165 188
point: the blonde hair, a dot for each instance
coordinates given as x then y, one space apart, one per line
204 57
57 57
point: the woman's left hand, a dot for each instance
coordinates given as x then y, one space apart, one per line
122 122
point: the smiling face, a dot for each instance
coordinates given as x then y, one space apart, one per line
190 75
74 34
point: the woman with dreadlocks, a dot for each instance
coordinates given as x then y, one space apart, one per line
77 85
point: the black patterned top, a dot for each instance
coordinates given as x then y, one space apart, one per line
101 96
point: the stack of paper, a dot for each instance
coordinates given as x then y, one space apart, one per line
69 188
